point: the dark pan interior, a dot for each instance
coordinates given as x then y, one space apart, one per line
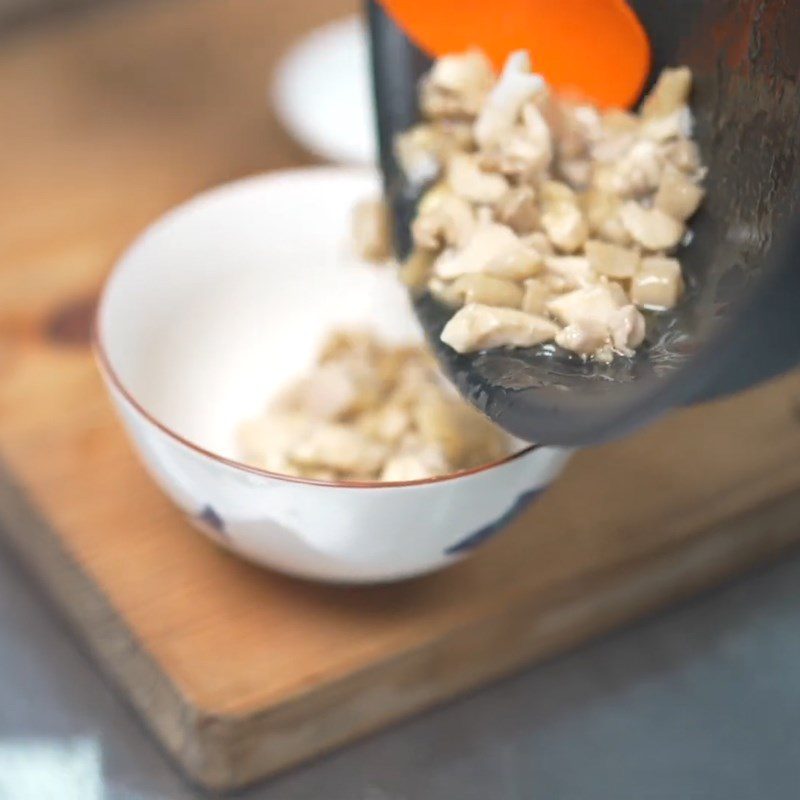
737 323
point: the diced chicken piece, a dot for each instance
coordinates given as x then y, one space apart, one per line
447 220
577 172
658 284
469 181
484 215
556 192
538 130
493 249
522 157
339 447
415 381
330 394
685 155
572 129
456 133
456 85
444 293
593 318
602 213
539 242
479 327
419 154
429 231
611 149
422 150
565 225
463 72
388 363
636 173
617 291
515 87
605 178
517 209
671 91
467 437
347 346
525 152
616 121
416 465
388 424
434 197
320 474
627 329
611 259
416 269
440 423
414 416
487 290
585 337
677 195
596 303
572 272
589 120
536 296
266 441
651 227
371 231
670 126
562 219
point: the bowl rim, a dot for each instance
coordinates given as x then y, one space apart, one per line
107 370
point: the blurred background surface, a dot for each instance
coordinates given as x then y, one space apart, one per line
702 702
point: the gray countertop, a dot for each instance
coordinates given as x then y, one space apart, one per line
699 703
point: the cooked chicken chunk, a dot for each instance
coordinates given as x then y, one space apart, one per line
468 180
584 338
536 295
457 85
517 208
487 290
677 195
493 249
596 303
371 231
658 284
611 259
563 273
444 220
338 447
669 94
651 227
479 327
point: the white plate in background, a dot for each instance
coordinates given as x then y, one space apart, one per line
322 93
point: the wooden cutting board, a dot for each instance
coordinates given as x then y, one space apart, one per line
106 121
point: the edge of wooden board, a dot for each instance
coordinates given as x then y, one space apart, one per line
228 752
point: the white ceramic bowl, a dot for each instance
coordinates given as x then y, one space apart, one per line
210 312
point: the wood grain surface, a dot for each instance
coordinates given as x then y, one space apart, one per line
106 122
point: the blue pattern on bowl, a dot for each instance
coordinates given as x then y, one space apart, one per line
212 521
486 532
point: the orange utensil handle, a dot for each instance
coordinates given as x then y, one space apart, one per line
595 49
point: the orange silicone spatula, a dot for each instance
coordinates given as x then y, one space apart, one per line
595 49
